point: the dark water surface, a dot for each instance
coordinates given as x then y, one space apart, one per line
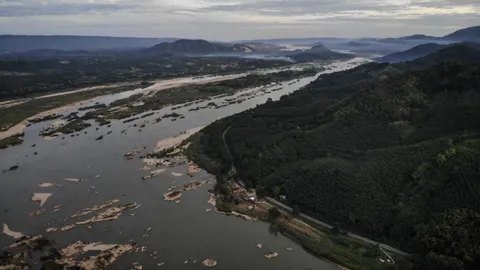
179 232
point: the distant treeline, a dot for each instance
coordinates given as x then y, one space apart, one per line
26 78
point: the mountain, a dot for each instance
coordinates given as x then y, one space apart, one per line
16 43
318 52
388 151
198 47
413 53
424 50
462 52
467 34
263 47
418 37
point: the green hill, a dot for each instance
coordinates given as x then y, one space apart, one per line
466 34
198 47
387 151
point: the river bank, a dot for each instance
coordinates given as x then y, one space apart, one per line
141 99
231 199
336 247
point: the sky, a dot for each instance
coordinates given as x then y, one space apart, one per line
238 19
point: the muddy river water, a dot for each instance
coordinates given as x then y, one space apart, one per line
174 235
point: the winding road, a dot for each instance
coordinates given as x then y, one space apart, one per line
314 220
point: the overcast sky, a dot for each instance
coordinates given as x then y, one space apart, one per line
237 19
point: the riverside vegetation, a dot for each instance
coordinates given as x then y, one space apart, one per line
389 151
127 107
21 78
137 104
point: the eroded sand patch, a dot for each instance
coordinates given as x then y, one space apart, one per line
95 208
172 196
67 228
49 138
41 197
37 212
176 141
109 254
212 200
193 168
209 263
7 231
73 179
26 241
194 185
153 174
45 185
109 214
271 255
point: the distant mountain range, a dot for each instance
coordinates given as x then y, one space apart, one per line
410 47
318 52
199 47
380 45
186 47
421 51
462 52
467 34
14 43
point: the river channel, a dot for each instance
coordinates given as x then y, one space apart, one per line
174 235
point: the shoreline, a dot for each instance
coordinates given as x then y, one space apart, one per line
20 127
253 215
337 249
170 83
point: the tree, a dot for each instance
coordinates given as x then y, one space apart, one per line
336 229
274 213
261 192
276 191
296 209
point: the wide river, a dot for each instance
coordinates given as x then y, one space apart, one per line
179 235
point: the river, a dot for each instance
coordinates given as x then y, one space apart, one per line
179 235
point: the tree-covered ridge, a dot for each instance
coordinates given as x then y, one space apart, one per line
379 149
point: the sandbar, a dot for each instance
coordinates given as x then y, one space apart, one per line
41 197
7 231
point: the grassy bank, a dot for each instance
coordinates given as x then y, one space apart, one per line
321 242
11 141
191 93
16 114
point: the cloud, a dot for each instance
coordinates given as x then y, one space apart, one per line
237 19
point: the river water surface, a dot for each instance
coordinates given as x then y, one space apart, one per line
179 235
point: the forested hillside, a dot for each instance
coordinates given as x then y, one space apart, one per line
389 151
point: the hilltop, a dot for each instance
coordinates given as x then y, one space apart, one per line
467 34
318 52
421 51
198 47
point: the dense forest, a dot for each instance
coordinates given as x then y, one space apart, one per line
20 78
388 151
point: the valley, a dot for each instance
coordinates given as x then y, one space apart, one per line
285 153
100 172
